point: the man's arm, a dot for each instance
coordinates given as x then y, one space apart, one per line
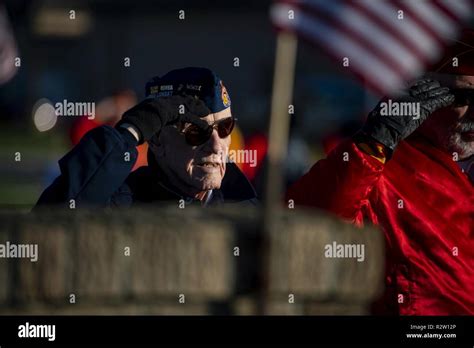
94 169
340 183
343 181
97 167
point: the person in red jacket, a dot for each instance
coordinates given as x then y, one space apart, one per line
410 173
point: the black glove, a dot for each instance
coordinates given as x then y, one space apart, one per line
150 115
390 129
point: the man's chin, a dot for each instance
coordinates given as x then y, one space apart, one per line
466 155
463 150
209 183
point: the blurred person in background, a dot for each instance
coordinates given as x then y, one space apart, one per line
109 112
8 48
187 121
412 174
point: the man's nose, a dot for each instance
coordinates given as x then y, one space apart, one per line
214 143
470 112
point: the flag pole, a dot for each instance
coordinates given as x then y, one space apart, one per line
278 134
283 79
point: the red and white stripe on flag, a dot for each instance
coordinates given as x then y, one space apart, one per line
385 42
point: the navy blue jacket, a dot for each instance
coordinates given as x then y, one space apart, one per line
96 172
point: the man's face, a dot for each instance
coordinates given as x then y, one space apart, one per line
452 128
194 168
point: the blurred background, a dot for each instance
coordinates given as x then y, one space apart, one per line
104 51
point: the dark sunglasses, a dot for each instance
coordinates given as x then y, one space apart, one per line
463 96
195 135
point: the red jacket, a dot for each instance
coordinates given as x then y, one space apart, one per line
424 204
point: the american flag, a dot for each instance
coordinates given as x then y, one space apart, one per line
385 42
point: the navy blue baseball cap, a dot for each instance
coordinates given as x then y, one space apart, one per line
200 82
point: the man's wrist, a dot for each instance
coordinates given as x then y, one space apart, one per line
372 147
132 129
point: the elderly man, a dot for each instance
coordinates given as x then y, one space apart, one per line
187 122
411 174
